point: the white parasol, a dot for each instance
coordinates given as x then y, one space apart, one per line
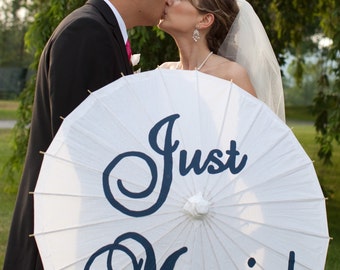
172 169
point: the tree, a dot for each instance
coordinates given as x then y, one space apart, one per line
47 16
13 25
291 26
303 91
14 59
327 102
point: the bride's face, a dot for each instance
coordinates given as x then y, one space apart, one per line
180 18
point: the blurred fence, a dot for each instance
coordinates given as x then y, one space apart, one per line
12 81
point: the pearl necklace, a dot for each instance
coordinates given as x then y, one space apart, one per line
201 65
204 61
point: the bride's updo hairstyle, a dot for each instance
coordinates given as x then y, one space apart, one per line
225 12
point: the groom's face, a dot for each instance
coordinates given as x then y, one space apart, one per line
151 10
180 17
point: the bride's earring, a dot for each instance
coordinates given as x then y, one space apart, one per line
196 35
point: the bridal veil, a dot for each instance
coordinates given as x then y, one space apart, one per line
247 43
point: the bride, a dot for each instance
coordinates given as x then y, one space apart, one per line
226 39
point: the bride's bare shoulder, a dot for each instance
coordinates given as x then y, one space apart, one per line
233 71
169 65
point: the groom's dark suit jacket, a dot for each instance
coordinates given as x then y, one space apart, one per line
85 52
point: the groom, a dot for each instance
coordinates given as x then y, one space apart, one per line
86 52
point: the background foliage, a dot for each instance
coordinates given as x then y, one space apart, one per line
13 27
291 26
327 102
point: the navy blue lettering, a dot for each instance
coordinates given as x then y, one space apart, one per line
213 164
291 260
194 164
231 163
150 259
166 151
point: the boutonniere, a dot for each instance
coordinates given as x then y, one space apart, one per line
135 60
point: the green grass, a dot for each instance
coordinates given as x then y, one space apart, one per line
328 176
8 109
6 200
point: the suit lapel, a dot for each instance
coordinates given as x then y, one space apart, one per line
110 18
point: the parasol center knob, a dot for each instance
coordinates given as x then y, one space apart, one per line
197 206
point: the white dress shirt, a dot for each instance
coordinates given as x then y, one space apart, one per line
120 20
